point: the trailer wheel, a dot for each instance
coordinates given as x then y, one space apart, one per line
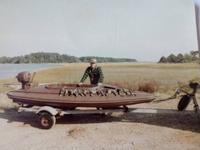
183 103
46 120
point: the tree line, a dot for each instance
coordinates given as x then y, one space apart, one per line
106 59
179 58
44 57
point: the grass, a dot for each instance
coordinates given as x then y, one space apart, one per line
128 75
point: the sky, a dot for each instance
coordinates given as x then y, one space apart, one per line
141 29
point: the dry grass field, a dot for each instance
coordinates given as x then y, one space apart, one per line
128 75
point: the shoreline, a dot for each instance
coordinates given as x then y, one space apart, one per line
51 66
58 65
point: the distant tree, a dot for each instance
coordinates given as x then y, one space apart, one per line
4 60
171 58
42 57
194 53
180 58
163 60
107 59
188 58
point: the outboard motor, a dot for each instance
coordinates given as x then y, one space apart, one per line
25 79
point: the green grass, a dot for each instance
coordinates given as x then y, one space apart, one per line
128 75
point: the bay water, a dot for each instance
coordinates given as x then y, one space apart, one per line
11 70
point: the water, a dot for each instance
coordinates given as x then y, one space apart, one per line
11 70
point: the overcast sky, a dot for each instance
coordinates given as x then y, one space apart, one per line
141 29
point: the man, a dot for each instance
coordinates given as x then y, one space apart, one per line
94 72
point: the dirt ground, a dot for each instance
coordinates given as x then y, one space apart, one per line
138 131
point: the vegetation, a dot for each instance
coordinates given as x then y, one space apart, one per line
107 59
129 75
180 58
42 57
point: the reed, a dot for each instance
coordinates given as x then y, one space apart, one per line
129 75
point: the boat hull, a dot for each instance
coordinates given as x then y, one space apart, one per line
50 96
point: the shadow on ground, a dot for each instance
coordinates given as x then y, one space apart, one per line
183 121
11 115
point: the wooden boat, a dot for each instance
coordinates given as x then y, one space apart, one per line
71 95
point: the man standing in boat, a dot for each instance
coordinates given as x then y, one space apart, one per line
94 72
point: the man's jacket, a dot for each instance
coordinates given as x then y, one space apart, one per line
95 75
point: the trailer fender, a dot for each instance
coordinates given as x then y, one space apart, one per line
48 109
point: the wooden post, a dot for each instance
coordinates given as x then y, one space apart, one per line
197 13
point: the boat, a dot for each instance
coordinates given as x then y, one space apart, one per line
70 96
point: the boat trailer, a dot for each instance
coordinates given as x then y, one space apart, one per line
47 115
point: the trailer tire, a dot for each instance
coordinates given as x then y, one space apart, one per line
46 120
183 103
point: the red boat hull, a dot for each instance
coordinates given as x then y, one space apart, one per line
50 96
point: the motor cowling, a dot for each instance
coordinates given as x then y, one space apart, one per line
24 78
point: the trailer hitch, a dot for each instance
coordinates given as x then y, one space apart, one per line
185 98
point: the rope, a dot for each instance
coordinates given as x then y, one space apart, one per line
177 92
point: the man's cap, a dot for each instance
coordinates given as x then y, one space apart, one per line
93 61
